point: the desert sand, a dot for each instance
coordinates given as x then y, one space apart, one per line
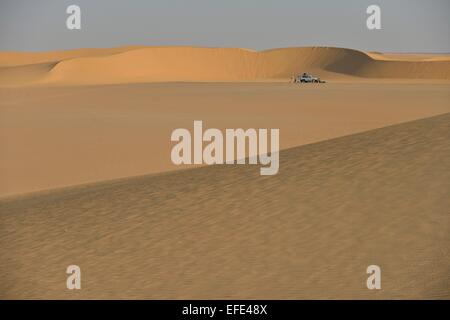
161 64
59 136
87 179
378 197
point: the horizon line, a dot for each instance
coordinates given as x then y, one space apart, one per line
221 47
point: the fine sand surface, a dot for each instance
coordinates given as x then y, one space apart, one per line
161 64
364 174
377 197
60 136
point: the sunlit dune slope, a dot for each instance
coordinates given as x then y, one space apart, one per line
59 136
17 58
160 64
223 232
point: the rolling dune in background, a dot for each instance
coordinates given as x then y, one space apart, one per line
336 207
20 58
192 64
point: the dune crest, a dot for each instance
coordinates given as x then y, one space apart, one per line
309 231
194 64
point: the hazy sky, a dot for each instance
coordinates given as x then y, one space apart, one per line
407 25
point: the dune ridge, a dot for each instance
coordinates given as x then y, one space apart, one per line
20 58
195 64
59 136
225 232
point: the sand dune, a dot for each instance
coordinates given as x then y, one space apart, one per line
59 136
161 64
18 58
409 56
337 205
378 197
